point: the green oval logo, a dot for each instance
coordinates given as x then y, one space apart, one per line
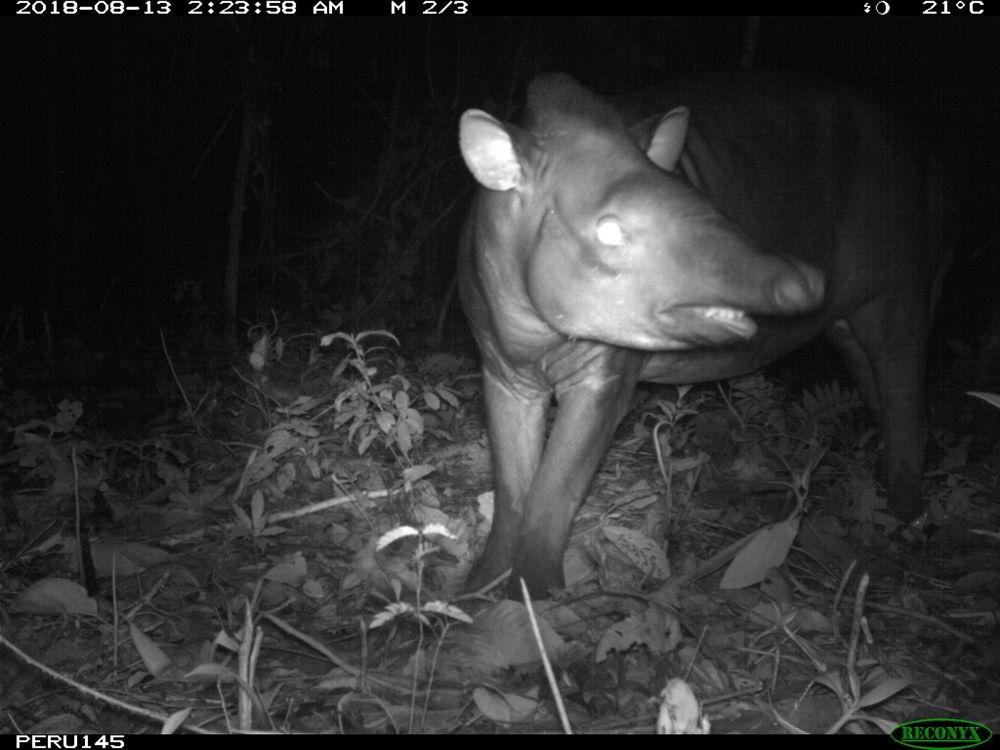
932 734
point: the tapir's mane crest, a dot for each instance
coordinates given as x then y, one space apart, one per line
557 102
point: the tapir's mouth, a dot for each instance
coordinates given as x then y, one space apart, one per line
676 328
710 324
729 318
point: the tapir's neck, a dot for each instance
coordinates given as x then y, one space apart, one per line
501 226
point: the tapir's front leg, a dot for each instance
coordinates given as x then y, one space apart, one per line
594 385
516 427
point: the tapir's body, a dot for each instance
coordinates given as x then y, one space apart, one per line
682 237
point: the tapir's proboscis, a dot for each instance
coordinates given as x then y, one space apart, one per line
677 238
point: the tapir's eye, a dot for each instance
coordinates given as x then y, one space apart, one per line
610 232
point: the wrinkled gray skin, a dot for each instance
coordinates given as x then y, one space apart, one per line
674 239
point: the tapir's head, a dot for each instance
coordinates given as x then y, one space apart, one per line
609 243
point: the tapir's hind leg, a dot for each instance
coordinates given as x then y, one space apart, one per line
858 364
884 344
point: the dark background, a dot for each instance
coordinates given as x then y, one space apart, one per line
123 137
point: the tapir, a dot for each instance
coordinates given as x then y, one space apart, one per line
682 236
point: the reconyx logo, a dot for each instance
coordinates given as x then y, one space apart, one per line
928 734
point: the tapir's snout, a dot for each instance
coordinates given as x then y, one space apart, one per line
717 302
800 289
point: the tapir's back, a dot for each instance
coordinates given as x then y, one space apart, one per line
814 172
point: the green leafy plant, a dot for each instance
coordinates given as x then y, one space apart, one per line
424 613
832 409
255 524
855 689
425 546
756 401
675 417
370 397
383 410
43 449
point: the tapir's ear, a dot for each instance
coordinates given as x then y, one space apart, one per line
666 141
489 151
